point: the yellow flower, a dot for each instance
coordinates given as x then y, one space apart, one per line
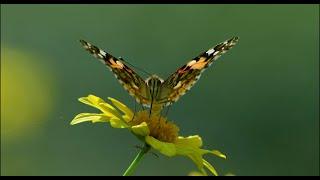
155 131
196 173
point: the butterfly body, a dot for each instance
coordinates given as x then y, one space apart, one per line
154 91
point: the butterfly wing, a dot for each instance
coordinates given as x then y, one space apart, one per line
186 76
129 79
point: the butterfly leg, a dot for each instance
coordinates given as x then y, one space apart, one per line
160 115
135 109
142 107
167 111
150 110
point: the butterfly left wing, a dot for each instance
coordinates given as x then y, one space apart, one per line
186 76
130 80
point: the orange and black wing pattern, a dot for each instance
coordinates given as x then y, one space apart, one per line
129 79
186 76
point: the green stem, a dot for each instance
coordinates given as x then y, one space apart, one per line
136 160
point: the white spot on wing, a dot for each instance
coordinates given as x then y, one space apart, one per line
86 45
100 56
102 53
215 53
138 100
120 64
178 85
191 63
134 86
210 51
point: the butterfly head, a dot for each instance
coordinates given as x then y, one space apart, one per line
154 81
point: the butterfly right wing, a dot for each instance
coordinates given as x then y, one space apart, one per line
129 79
178 83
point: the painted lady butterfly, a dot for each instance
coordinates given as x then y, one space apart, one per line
155 91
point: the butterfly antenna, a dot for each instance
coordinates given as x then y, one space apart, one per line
140 69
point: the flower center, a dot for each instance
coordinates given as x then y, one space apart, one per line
160 127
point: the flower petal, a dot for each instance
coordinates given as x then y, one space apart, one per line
191 147
214 152
195 173
117 123
196 157
141 129
93 117
168 149
219 154
195 140
127 112
91 100
100 104
109 110
210 167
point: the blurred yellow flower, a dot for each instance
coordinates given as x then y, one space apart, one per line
195 173
155 131
27 93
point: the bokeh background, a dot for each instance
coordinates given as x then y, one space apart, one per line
258 104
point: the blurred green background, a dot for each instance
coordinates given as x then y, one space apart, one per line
258 104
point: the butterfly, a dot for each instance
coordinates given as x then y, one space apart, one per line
154 91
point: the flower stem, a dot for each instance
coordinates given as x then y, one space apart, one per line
136 160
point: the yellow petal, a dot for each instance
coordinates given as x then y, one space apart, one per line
168 149
117 123
127 112
109 110
196 157
113 116
229 174
190 140
214 152
210 167
191 147
219 154
100 104
91 100
141 129
93 117
195 173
